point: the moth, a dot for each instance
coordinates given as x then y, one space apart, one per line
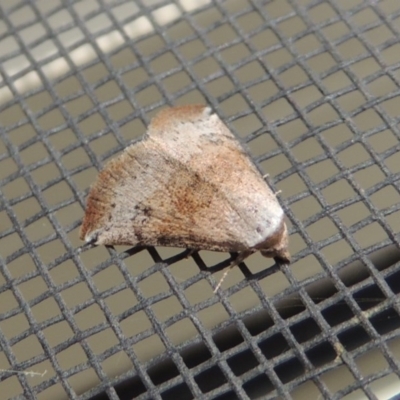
187 183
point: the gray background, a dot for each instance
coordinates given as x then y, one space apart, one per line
110 103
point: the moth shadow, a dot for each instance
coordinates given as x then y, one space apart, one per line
242 266
198 260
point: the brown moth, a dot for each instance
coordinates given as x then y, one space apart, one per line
188 183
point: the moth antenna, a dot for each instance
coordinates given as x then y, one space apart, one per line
276 193
225 274
243 255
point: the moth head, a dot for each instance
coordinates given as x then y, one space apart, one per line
276 245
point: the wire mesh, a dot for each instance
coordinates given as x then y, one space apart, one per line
312 87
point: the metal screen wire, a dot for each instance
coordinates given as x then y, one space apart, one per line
312 89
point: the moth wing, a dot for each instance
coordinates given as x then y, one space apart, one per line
188 184
204 144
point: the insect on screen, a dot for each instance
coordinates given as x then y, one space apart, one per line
311 90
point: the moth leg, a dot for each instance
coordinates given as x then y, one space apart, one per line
190 252
85 246
243 255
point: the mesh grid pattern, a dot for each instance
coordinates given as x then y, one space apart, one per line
313 88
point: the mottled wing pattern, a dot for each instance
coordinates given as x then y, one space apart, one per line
187 184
